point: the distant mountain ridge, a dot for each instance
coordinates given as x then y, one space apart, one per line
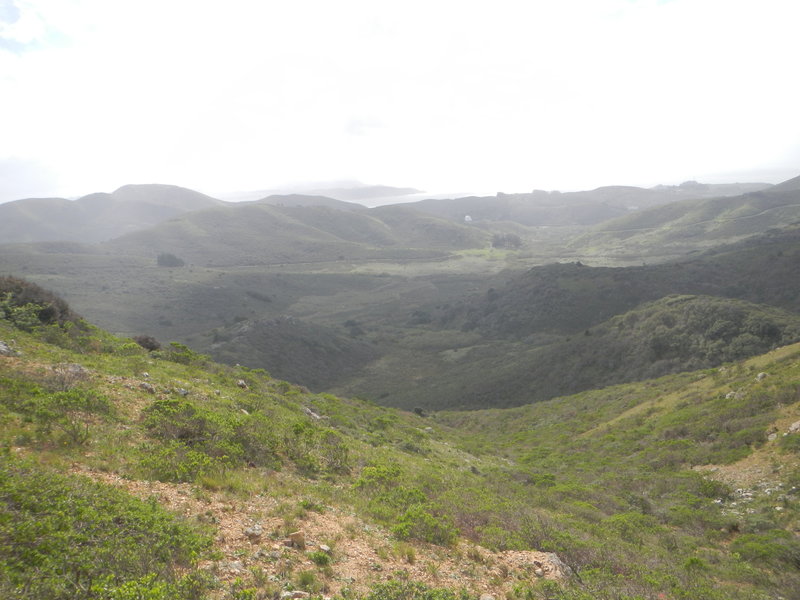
102 216
97 217
252 233
555 209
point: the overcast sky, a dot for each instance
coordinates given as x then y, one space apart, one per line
446 96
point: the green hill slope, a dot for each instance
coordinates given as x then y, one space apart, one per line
680 227
684 486
671 335
291 349
568 298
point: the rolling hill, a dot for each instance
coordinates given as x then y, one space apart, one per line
97 217
561 328
671 335
557 209
690 225
262 233
569 297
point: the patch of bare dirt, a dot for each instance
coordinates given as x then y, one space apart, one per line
765 465
361 553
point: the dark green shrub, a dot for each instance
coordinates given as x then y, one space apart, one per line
316 450
378 476
22 316
791 443
166 259
776 548
319 558
256 436
72 412
176 461
32 305
178 419
148 342
419 523
180 353
19 395
67 537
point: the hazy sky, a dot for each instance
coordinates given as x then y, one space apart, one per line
441 95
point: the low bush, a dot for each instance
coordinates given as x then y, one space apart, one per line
418 522
67 537
72 413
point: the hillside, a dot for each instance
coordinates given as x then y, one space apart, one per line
562 328
315 356
260 233
97 217
681 227
671 335
237 485
557 209
570 297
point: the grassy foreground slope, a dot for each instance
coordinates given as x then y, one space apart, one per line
639 490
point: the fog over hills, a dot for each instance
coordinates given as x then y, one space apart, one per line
103 216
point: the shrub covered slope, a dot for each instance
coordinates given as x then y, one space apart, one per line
681 487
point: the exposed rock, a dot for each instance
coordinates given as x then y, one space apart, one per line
486 597
560 568
772 436
254 533
234 566
147 387
73 370
311 413
325 548
242 384
294 594
6 350
182 392
538 572
298 539
761 376
794 427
